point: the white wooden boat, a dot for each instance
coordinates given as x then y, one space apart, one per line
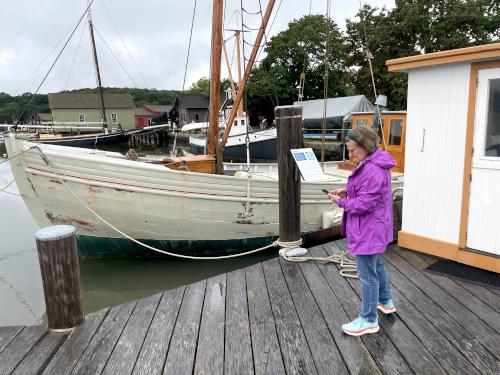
185 212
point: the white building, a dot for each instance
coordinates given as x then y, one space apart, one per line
451 205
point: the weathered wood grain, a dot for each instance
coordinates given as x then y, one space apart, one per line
72 349
60 272
479 356
474 304
180 357
289 136
126 350
36 360
265 346
154 350
296 353
98 351
210 348
478 329
14 353
433 331
7 334
325 353
238 344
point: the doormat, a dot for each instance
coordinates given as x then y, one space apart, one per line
466 273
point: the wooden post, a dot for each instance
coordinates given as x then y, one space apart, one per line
289 128
58 259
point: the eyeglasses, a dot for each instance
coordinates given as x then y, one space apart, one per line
352 149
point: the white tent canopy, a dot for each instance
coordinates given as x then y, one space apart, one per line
336 110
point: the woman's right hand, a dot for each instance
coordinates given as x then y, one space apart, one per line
342 193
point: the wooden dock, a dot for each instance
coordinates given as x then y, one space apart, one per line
276 317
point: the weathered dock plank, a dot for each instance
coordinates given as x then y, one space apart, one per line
40 354
276 317
14 353
126 350
478 329
210 348
325 353
434 333
180 357
480 291
238 343
265 345
296 353
7 334
154 350
356 357
96 355
474 304
71 351
418 357
383 351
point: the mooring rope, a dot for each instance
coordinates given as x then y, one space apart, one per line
347 266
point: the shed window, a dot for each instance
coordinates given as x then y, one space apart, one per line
235 123
361 122
81 118
395 132
242 122
114 118
492 144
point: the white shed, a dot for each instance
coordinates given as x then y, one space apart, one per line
451 205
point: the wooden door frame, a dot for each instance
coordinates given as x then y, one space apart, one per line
469 135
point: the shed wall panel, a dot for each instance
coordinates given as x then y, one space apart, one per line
437 102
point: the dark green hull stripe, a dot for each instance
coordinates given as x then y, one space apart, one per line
104 247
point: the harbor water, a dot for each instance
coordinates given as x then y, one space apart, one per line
104 282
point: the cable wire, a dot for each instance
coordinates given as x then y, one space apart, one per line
52 66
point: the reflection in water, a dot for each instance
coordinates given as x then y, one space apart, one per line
110 282
104 282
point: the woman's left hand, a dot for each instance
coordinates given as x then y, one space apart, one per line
333 197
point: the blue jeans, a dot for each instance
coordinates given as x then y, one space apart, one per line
375 286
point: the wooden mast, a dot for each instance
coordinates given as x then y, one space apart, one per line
213 135
243 83
96 63
238 59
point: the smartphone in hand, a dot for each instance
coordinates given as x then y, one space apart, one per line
325 191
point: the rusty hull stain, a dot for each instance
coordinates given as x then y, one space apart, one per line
79 224
94 189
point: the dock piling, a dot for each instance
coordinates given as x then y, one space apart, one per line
57 255
289 136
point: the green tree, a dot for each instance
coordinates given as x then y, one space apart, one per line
413 27
300 48
202 86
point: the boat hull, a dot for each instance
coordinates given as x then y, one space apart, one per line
90 141
90 247
101 193
263 146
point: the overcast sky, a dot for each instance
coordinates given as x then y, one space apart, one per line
144 43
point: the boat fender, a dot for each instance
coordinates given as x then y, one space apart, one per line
295 252
241 174
332 218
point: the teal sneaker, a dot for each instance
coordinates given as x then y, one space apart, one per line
387 308
360 326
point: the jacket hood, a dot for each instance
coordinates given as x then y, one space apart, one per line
382 159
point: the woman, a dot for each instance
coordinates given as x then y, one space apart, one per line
367 224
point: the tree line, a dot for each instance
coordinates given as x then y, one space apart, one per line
412 27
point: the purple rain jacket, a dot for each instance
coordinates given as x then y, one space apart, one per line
367 221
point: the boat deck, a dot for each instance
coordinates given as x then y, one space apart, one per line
277 317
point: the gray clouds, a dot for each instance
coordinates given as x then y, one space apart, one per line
156 32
